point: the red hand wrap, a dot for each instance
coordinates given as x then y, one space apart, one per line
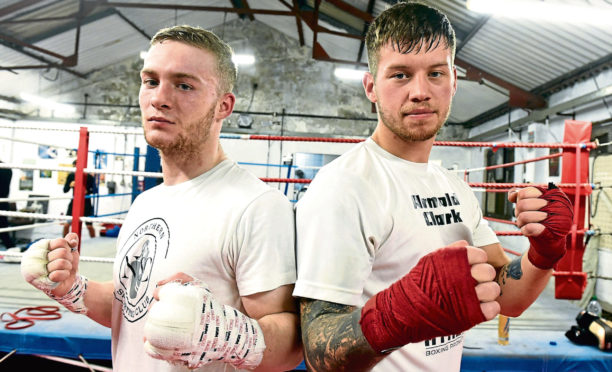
548 247
436 298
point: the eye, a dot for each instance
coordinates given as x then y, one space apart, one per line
183 86
399 75
150 82
436 74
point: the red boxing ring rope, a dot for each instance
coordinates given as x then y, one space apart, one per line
572 280
494 145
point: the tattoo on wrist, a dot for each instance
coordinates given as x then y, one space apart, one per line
513 270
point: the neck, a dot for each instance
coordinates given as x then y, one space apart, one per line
414 151
177 168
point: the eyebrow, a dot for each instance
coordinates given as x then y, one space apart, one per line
402 66
176 75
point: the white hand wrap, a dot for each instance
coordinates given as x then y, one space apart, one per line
34 270
34 266
74 299
189 327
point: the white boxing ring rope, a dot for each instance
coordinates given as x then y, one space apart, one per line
86 170
43 216
81 258
91 129
36 143
26 227
34 198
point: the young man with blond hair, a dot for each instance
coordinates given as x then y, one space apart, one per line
205 262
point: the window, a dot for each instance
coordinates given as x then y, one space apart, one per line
496 204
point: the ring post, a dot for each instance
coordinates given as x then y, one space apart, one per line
135 169
570 281
78 201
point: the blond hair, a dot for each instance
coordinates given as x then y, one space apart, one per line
204 39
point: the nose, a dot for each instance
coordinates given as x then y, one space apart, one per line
161 96
420 88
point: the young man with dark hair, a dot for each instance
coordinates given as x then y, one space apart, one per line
394 258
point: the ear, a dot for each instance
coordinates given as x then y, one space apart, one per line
225 106
454 80
368 86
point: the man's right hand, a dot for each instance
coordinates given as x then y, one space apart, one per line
487 290
449 291
52 265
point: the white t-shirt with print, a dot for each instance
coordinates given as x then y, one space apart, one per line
224 227
366 220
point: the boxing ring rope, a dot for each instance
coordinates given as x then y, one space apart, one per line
81 258
91 129
576 140
61 217
579 186
506 165
25 227
578 147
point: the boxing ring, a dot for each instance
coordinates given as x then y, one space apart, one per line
537 340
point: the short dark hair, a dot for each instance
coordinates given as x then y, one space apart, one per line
204 39
409 27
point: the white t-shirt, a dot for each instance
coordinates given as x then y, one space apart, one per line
224 227
365 221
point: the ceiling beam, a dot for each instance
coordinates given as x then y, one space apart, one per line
518 96
366 25
317 49
472 33
540 115
132 24
195 8
50 64
350 9
35 20
243 4
298 23
17 6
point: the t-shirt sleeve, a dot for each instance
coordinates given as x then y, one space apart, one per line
266 245
336 239
482 233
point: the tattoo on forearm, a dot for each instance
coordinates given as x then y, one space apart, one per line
332 337
513 270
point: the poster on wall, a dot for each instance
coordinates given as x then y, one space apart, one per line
47 152
61 176
46 174
26 181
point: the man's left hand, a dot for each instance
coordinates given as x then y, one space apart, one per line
545 216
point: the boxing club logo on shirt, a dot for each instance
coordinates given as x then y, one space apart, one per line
439 345
147 242
438 219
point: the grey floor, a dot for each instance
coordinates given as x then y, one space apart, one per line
15 292
546 315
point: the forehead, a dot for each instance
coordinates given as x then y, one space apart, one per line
174 57
389 54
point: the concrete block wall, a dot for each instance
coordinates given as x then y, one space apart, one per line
601 212
284 77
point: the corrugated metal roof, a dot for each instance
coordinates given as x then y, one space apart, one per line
532 56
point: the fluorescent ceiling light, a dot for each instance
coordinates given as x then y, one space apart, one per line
48 104
544 11
243 59
349 73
